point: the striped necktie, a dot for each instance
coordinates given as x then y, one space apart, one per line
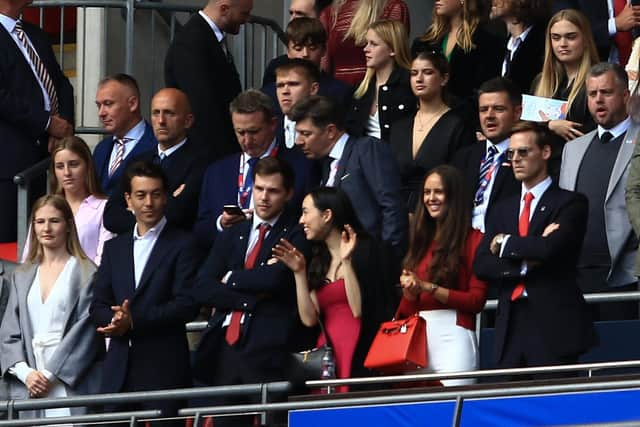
119 155
41 70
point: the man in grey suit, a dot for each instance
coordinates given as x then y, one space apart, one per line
597 165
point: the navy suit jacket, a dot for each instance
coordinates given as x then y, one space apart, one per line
102 154
368 173
220 187
23 119
184 166
154 354
556 302
266 293
197 65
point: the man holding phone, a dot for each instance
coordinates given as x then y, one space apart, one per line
225 198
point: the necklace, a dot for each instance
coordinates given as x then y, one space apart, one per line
425 125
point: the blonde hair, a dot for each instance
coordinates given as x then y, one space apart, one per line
367 12
77 146
73 243
440 26
553 71
394 35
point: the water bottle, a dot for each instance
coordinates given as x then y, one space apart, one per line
328 369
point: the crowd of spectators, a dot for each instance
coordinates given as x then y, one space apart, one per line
368 176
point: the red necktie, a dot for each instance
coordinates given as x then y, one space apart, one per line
233 330
523 230
622 39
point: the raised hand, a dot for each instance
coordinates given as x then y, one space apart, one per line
289 255
347 243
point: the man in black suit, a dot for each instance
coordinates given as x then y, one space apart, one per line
36 105
200 63
253 295
179 158
364 168
142 296
529 252
484 164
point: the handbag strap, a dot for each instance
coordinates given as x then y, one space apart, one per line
324 332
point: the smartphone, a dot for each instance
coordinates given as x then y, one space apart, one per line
233 210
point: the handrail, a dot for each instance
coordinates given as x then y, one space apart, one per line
93 418
589 367
34 171
436 395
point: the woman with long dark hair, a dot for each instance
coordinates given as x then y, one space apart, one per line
344 281
432 135
438 280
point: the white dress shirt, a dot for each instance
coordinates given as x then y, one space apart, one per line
134 136
512 46
143 246
336 155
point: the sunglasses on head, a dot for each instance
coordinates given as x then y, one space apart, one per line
522 152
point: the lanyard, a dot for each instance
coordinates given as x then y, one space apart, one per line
245 187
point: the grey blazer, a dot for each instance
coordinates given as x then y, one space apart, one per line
75 361
618 226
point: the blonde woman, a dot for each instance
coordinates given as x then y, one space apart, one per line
73 176
384 95
569 53
474 54
346 22
48 345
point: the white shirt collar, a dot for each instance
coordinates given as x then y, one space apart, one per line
152 233
171 150
136 132
257 221
8 23
338 147
246 157
537 190
513 45
216 30
617 130
501 146
289 132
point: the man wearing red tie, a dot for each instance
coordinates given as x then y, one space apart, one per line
529 252
253 296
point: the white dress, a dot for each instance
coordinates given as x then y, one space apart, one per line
47 323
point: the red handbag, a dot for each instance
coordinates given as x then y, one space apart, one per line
399 345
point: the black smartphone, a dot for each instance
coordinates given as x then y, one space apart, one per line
233 210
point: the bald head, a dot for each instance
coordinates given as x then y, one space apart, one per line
229 15
170 117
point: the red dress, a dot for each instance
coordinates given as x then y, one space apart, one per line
344 59
343 329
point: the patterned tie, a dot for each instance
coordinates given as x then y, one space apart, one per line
245 199
119 155
41 70
484 176
523 230
233 330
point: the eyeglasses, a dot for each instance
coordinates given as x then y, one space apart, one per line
522 152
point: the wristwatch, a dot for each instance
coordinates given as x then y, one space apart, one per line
433 288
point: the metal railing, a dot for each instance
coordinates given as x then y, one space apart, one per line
12 407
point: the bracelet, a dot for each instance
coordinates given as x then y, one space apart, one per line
433 288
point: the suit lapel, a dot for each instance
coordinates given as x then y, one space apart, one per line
160 248
243 241
543 209
579 148
342 163
625 152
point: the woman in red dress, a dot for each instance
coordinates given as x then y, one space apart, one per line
334 285
438 281
346 22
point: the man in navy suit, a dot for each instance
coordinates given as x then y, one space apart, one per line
179 158
530 251
118 102
228 181
142 296
253 296
32 113
364 168
199 62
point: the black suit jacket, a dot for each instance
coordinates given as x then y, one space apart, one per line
197 65
154 353
184 166
266 293
597 12
505 185
368 174
554 297
527 61
23 119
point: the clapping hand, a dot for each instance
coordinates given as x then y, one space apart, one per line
290 256
347 243
120 322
